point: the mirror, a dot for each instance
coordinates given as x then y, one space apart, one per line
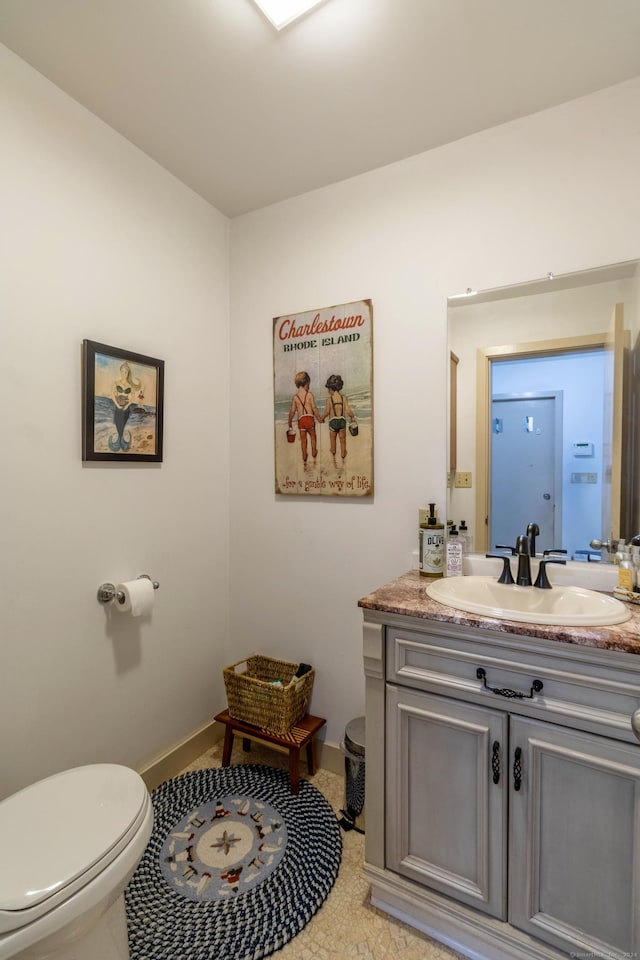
543 393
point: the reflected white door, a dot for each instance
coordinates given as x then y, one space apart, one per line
526 448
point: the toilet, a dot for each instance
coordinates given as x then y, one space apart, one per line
68 847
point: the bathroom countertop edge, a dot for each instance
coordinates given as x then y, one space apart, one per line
406 596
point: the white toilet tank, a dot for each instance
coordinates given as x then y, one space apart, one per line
59 833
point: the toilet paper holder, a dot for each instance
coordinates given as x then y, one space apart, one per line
108 592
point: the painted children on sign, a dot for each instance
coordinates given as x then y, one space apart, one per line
332 347
338 410
303 406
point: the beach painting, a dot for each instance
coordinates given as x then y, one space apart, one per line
122 404
323 399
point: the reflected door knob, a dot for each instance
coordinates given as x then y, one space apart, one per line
635 722
610 545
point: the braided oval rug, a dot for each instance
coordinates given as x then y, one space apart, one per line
236 865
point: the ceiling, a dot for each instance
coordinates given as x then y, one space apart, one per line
247 116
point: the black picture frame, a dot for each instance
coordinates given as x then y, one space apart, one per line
122 404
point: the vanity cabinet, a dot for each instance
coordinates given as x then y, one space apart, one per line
503 786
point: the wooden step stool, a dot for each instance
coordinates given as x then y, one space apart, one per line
301 735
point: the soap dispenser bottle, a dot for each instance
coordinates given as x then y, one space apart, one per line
431 545
453 552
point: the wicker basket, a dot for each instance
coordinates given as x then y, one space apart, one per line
252 696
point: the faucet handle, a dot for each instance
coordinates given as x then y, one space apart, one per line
506 576
542 581
503 546
546 553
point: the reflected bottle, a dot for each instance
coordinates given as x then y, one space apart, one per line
626 578
465 537
635 558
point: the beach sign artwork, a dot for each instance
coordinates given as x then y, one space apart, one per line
323 401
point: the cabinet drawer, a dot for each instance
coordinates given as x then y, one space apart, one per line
559 682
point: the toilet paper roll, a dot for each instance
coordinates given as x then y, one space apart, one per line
138 596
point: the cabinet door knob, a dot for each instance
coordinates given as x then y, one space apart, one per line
635 722
517 769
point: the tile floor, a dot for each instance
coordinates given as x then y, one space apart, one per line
346 926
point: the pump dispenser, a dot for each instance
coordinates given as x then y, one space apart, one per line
453 552
431 545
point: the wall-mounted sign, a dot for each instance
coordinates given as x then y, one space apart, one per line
323 397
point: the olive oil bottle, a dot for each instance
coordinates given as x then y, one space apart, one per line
430 543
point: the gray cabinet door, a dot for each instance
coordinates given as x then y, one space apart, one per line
574 840
446 817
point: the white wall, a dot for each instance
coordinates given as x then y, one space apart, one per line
98 242
556 191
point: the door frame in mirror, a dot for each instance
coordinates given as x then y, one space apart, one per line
485 356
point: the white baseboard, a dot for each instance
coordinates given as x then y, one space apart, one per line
173 761
330 757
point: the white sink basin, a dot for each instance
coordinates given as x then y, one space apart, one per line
562 605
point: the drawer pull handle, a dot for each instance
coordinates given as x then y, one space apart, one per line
495 761
517 769
536 687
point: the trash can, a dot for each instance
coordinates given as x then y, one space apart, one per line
353 748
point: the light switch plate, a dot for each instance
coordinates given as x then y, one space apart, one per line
463 479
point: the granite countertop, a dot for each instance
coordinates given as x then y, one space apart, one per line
406 596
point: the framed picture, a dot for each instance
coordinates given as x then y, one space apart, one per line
122 404
323 394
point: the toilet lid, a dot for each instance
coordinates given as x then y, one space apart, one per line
55 830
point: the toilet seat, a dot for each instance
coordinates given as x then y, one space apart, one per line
58 834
